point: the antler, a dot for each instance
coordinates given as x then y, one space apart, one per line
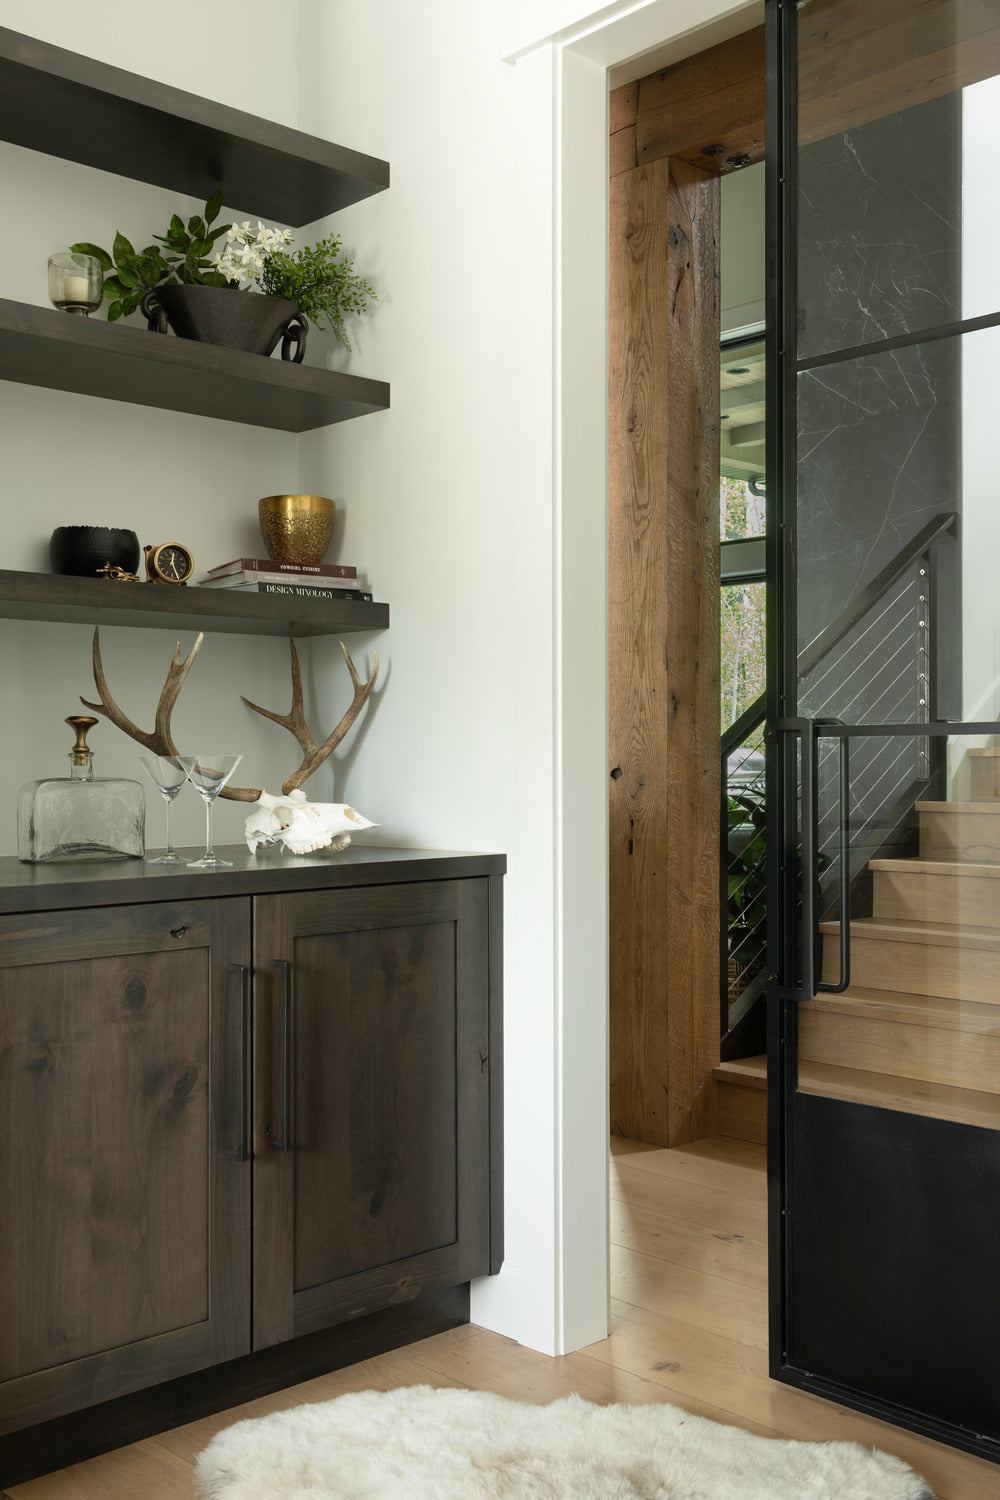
295 722
157 740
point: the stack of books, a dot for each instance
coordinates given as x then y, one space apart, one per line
262 575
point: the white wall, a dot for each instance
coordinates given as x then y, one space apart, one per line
477 504
742 239
980 534
458 535
980 523
491 245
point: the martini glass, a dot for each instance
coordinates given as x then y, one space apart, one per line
209 774
168 774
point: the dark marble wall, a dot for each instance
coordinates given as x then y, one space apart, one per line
879 436
880 229
879 456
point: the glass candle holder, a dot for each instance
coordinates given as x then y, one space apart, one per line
76 282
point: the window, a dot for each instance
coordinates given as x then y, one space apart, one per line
742 675
742 426
741 524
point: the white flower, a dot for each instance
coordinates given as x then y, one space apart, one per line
245 251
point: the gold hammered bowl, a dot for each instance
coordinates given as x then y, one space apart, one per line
296 528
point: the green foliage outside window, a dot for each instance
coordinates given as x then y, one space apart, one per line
741 512
741 515
742 659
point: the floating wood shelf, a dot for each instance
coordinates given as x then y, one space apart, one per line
40 346
94 601
152 133
82 110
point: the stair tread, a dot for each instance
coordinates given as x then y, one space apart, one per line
746 1072
934 1012
957 807
912 1096
909 930
976 871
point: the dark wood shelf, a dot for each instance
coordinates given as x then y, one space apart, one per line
40 346
95 601
86 111
82 110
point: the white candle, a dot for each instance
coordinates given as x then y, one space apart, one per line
76 289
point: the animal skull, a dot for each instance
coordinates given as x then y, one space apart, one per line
302 826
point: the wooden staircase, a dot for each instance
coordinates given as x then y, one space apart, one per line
741 1099
918 1029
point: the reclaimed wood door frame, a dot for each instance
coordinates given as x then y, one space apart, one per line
672 136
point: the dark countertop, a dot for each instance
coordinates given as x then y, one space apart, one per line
25 888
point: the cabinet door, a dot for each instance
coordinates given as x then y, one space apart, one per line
371 1177
125 1245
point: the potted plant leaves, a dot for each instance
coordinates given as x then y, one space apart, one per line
247 292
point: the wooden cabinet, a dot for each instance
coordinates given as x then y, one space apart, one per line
125 1248
235 1120
372 1128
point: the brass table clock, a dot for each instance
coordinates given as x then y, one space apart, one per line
168 563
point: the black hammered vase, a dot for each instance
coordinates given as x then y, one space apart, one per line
249 321
81 550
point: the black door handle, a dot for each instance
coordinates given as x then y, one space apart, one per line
240 1152
284 1141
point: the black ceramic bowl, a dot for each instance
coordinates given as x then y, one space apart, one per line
81 550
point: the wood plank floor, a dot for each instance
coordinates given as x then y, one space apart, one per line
689 1326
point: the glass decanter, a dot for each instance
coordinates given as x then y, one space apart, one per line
80 816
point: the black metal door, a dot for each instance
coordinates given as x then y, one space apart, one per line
884 697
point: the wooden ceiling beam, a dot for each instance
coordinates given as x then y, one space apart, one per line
707 110
624 111
858 61
624 106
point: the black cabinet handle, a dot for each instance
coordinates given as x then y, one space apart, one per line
284 1141
240 1151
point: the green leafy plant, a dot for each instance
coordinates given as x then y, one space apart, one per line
320 278
129 273
747 882
325 285
747 875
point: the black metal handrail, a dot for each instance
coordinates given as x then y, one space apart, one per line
750 719
754 716
810 732
831 635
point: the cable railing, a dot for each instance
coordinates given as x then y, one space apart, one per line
875 663
743 895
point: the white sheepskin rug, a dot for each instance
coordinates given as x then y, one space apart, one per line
424 1444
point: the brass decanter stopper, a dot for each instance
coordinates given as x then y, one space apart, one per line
81 724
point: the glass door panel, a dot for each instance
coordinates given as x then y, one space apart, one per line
891 1141
917 1025
884 779
898 177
